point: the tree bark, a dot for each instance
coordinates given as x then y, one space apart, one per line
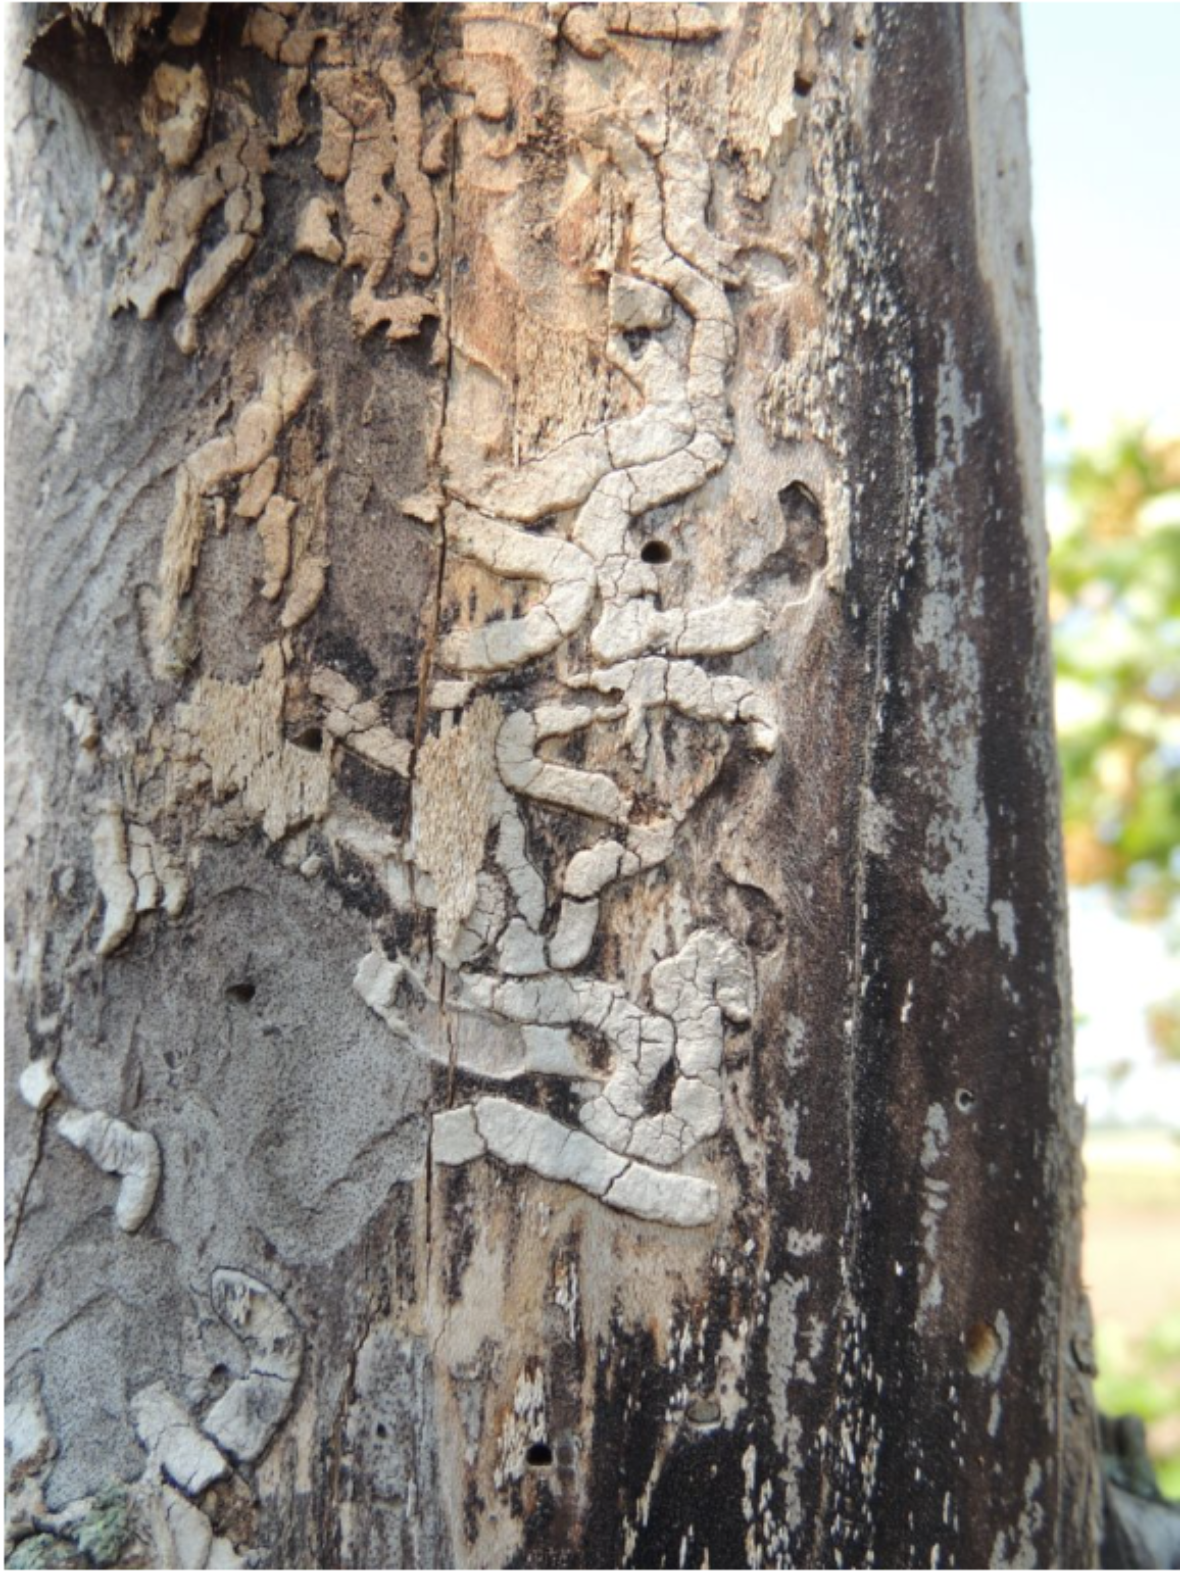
534 854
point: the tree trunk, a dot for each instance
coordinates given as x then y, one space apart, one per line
532 796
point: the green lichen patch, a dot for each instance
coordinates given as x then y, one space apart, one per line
42 1552
103 1532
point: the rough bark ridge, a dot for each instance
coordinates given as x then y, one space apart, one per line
533 800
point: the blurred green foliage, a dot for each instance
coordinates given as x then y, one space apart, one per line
1143 1377
1115 603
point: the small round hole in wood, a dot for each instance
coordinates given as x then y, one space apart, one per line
704 1412
983 1347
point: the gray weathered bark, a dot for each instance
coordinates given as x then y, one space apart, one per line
532 809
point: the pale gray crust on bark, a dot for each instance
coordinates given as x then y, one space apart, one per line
532 790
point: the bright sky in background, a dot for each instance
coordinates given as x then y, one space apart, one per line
1104 112
1104 107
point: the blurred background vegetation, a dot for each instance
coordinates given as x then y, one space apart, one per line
1115 604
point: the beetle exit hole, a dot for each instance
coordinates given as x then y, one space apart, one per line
538 1454
965 1100
219 1380
702 1413
243 991
656 553
983 1347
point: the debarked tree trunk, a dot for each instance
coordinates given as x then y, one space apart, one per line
537 978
